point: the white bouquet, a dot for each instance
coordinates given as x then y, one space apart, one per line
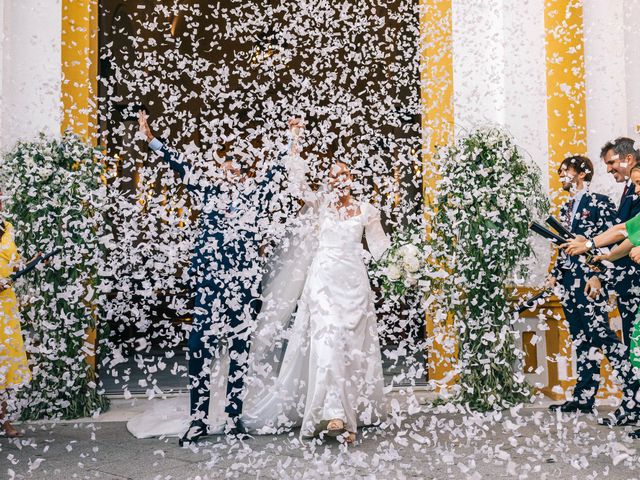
405 269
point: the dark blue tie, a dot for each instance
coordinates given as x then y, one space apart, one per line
568 213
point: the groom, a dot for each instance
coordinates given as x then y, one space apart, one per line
224 271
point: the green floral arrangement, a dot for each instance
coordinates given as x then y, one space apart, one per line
486 195
54 198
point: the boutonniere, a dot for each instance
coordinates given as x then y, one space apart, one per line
585 214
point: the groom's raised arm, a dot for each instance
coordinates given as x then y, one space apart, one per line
175 161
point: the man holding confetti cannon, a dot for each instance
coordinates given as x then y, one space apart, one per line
583 298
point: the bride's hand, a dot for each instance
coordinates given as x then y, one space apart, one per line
296 127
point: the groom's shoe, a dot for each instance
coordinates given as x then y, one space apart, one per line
196 430
572 406
620 417
235 427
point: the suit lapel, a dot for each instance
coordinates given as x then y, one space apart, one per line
626 203
584 201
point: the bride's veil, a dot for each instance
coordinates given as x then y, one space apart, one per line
282 286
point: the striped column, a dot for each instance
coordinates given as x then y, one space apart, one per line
436 88
80 67
566 102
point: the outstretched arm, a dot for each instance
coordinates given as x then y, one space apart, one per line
579 246
175 161
617 252
377 240
295 165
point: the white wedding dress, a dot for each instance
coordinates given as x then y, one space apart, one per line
318 363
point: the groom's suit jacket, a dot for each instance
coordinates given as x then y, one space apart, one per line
232 225
595 214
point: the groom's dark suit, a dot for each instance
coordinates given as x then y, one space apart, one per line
225 275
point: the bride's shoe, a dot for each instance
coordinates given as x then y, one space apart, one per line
335 427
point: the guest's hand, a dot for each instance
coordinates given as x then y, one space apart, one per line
551 282
634 254
35 257
144 126
5 283
593 288
600 258
574 247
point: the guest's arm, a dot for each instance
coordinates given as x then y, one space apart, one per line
619 251
579 246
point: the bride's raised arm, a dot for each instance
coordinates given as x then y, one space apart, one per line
295 165
377 240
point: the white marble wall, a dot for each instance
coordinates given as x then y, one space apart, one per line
30 72
605 85
3 6
478 63
500 78
631 22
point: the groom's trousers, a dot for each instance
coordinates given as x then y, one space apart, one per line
222 311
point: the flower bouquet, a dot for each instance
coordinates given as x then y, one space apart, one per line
405 270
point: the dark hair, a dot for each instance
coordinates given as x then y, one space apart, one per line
622 146
606 147
580 164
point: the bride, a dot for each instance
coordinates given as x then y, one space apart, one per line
315 358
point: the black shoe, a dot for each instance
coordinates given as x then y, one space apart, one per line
235 427
572 407
635 434
196 430
620 418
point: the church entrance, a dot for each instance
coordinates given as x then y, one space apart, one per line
219 76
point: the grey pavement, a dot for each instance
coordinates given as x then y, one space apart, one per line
431 444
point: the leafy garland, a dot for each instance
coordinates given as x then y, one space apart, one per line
54 198
486 196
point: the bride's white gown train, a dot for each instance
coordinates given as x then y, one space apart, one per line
320 363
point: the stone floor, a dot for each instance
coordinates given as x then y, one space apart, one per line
427 444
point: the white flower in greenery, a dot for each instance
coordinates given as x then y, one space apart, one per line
409 250
411 264
393 272
412 279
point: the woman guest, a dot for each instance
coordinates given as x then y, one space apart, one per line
14 370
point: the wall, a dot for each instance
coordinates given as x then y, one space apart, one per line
30 75
605 85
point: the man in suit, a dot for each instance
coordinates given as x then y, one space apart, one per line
620 157
583 299
224 272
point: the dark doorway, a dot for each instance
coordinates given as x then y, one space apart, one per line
221 75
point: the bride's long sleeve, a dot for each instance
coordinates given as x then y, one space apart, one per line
297 175
377 240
